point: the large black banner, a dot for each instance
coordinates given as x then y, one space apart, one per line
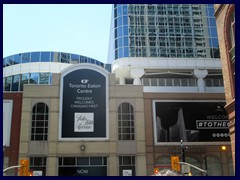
83 111
190 122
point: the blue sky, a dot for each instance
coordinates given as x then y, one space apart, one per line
75 28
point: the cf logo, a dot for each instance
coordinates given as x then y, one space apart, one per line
84 81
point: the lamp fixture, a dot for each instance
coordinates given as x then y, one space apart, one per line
82 147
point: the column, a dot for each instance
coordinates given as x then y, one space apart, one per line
136 74
200 75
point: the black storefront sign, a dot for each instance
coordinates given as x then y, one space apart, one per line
83 171
190 122
83 104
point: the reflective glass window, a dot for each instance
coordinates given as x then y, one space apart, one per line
120 53
17 59
119 21
74 59
50 78
126 52
35 56
119 10
83 59
34 78
24 80
44 78
125 122
125 41
45 56
65 58
120 44
8 61
125 20
55 57
119 31
15 82
83 161
25 57
8 82
39 131
125 30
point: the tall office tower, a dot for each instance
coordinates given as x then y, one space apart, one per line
171 52
163 36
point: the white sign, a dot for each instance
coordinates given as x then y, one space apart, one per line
83 122
7 121
37 173
127 172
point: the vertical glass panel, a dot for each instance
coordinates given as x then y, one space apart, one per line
125 30
119 40
95 160
65 58
119 21
120 53
50 78
74 59
35 56
119 31
8 82
45 56
125 20
55 57
119 10
34 78
15 83
25 57
69 161
125 41
44 78
24 80
17 59
126 52
83 161
83 59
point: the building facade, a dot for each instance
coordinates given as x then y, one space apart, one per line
172 51
81 117
225 17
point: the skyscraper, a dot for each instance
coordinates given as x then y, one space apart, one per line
152 38
172 52
164 30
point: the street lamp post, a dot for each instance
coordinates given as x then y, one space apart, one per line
183 151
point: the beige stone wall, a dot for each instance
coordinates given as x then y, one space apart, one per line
111 148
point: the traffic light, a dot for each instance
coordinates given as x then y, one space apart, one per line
156 170
24 169
175 163
30 173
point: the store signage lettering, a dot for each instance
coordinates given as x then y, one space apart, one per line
206 124
83 103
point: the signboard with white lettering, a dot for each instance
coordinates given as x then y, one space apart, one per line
83 171
190 122
83 103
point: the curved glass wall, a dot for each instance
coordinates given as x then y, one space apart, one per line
15 82
51 57
165 30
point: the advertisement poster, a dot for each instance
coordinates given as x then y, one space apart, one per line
190 122
7 121
83 104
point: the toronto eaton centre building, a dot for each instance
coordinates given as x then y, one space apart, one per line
71 115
